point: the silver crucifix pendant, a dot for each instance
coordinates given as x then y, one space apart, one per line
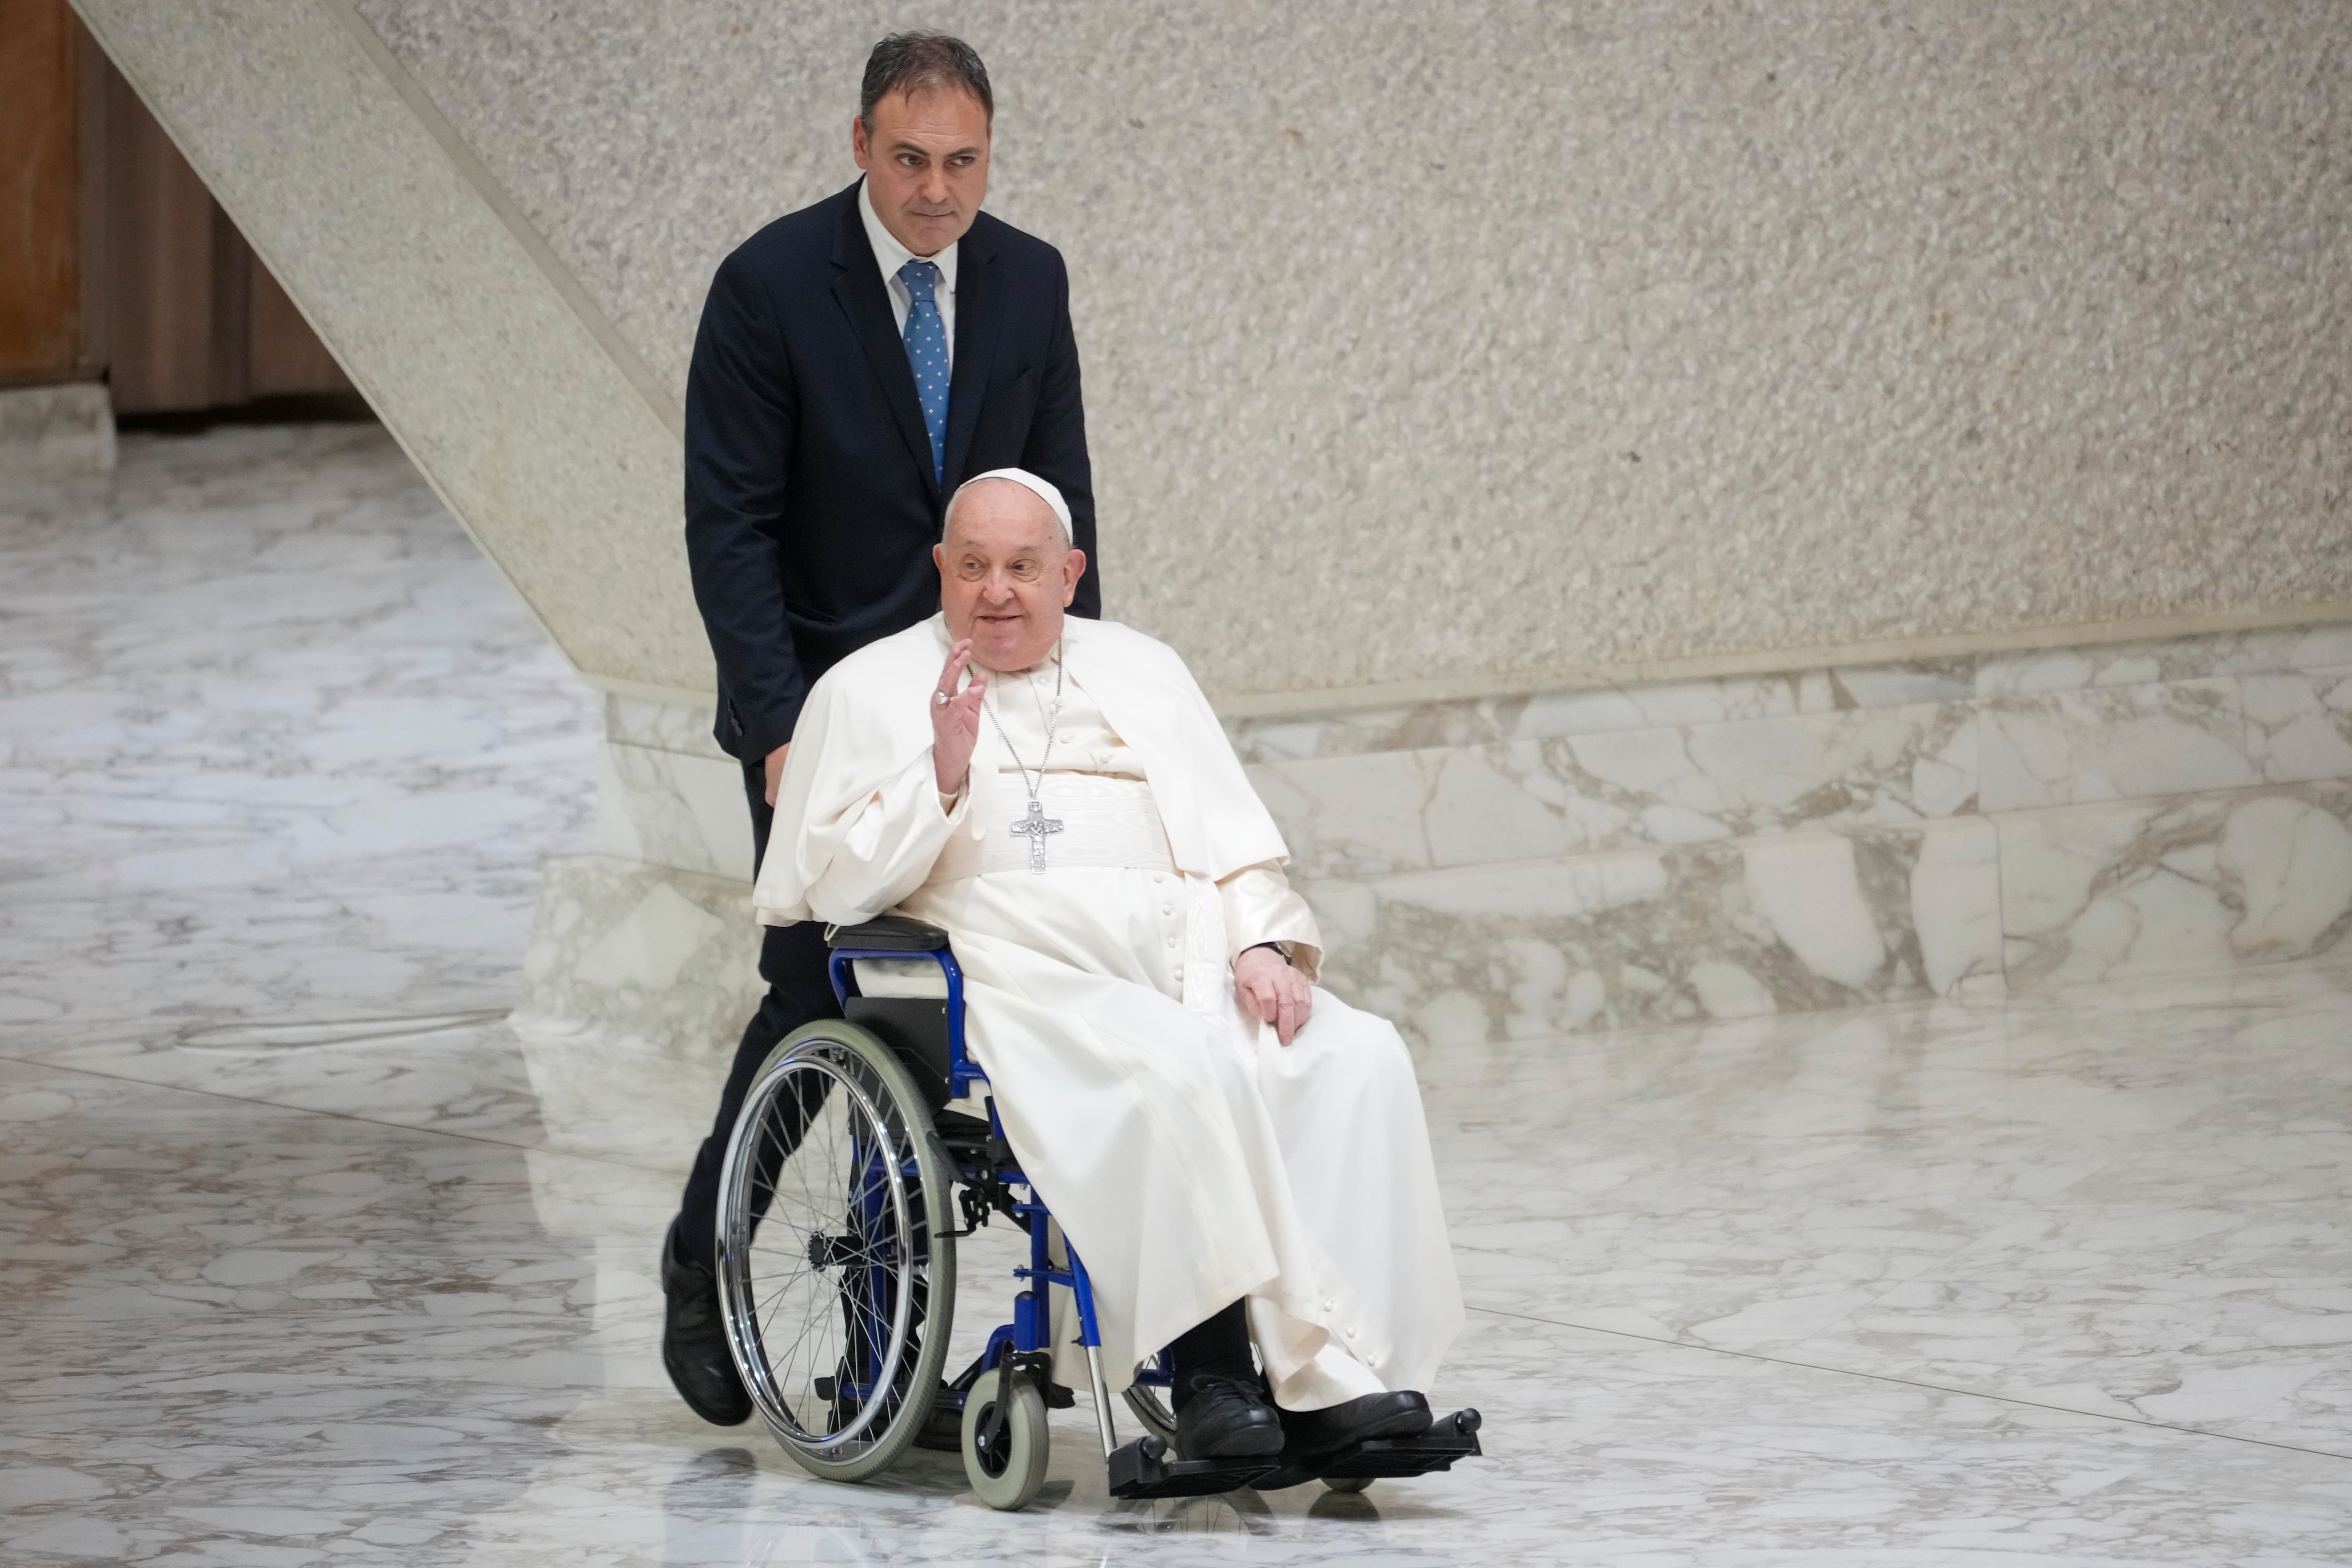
1033 828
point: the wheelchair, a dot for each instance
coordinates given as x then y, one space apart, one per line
846 1178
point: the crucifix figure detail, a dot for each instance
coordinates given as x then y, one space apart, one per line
1033 828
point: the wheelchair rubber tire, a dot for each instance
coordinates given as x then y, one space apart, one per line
882 1085
1029 1445
1348 1483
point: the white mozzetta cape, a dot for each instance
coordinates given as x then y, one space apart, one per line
867 725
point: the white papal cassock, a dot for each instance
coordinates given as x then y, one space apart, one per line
1191 1158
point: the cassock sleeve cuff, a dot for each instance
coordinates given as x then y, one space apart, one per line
1261 906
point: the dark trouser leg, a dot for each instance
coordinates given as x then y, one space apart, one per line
791 961
1218 1347
1222 1409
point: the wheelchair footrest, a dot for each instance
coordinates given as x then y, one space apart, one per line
1449 1438
1143 1469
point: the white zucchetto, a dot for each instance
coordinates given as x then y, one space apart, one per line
1045 489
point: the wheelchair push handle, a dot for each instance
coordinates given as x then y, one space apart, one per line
889 934
945 1069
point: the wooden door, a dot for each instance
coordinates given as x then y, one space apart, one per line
40 190
115 261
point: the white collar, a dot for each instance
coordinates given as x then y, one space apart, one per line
891 255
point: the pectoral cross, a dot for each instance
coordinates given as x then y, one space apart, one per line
1033 828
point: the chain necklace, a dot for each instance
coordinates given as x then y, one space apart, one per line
1033 825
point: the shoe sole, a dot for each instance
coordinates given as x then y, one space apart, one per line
720 1419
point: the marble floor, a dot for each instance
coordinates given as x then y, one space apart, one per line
310 1258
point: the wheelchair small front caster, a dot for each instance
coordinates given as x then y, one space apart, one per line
1007 1466
1348 1483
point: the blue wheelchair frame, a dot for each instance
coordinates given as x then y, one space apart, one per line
1022 1348
1030 1332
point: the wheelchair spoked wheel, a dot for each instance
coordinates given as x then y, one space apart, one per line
1150 1406
831 1277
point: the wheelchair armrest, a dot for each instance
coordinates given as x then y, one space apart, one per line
889 934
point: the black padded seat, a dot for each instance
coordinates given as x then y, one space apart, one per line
889 934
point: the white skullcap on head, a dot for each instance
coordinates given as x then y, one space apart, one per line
1045 489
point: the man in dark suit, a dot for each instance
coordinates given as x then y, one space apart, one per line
857 361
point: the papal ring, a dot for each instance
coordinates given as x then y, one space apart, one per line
939 699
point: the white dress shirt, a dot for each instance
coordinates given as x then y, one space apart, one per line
891 256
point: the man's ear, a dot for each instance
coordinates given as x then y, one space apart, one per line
1073 566
857 148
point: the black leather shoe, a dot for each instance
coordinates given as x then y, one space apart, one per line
1223 1419
942 1430
693 1341
1399 1412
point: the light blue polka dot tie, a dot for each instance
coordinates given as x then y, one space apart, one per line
927 356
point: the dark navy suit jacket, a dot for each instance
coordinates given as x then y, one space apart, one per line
811 508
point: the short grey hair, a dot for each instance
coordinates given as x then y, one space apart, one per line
914 62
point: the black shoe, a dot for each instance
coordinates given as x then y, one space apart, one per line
1399 1412
1223 1419
942 1430
693 1341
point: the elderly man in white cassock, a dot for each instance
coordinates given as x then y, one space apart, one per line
1237 1155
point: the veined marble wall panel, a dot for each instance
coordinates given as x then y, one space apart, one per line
643 952
2112 742
2321 646
1791 922
2316 651
663 725
1492 340
1472 805
666 794
2151 887
2299 726
1787 921
494 382
1795 842
667 808
1567 773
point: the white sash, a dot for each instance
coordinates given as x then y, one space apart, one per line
1104 822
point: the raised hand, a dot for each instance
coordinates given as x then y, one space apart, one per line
955 721
1268 988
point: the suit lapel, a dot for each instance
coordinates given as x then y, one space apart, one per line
979 311
857 287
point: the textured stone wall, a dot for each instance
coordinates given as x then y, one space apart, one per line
1496 342
1494 338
